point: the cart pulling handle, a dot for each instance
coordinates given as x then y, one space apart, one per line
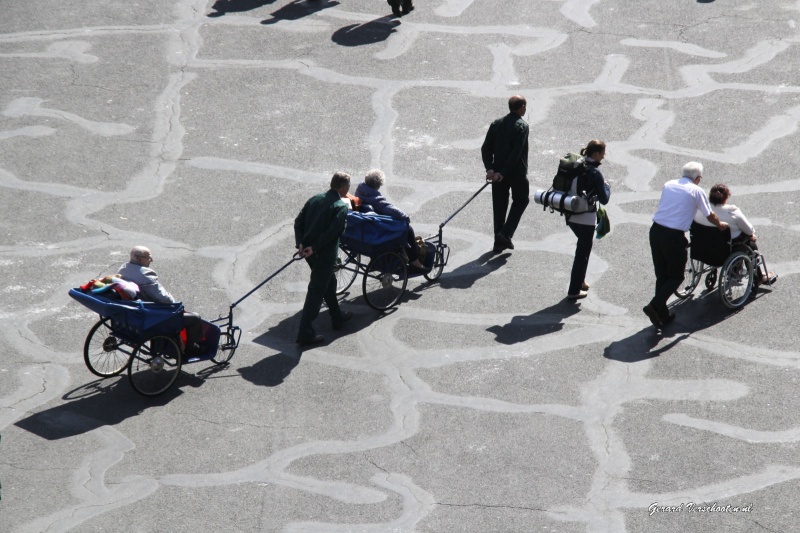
464 205
295 257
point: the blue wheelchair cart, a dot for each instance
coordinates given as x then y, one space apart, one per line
374 246
148 339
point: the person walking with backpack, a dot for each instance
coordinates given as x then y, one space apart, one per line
590 183
505 157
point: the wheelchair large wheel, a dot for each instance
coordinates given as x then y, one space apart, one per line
155 365
346 270
692 275
105 355
438 265
385 281
736 280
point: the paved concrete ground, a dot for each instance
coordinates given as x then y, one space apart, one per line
485 402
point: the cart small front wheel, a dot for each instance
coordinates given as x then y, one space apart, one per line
346 270
225 349
155 365
438 265
385 281
105 354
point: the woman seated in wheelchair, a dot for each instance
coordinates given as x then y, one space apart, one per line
372 200
742 231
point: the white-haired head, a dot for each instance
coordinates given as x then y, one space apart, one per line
375 178
692 170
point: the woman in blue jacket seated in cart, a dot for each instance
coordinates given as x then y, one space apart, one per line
372 200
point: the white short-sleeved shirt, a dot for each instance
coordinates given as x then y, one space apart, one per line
680 200
732 215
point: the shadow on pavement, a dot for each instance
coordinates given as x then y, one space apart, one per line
543 322
299 9
274 370
467 274
691 315
104 402
221 7
372 32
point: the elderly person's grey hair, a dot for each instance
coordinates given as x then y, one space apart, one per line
375 178
692 170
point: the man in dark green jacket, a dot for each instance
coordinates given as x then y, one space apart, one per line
316 233
505 157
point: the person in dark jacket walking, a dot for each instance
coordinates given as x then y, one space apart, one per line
505 157
583 224
316 232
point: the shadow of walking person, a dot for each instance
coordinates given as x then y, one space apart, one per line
299 9
221 7
543 322
371 32
467 274
696 314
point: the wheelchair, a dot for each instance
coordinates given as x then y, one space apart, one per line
711 249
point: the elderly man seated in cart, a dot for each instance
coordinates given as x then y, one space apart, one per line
139 272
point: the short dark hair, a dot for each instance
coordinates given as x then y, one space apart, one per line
339 180
719 194
593 147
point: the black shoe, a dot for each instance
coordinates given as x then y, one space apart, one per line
316 339
408 7
504 241
652 314
669 319
346 315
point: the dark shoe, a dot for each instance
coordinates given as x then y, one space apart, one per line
418 270
581 294
316 339
346 315
652 314
408 7
669 319
504 241
497 248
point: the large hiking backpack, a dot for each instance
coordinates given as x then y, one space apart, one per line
571 167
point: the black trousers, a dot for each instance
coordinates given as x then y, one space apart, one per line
321 286
583 250
519 189
668 247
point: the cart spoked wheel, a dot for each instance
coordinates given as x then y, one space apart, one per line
104 354
225 349
155 365
346 270
385 281
438 265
